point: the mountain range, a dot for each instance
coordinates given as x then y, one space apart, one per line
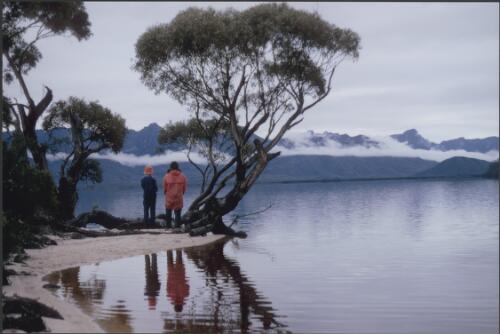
414 140
311 167
144 141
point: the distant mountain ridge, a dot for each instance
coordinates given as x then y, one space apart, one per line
313 139
144 141
411 138
457 167
308 167
414 140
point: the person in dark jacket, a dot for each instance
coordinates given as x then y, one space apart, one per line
150 188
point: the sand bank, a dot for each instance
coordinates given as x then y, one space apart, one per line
71 253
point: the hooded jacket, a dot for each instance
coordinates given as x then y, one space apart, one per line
174 187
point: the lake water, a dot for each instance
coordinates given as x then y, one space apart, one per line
408 256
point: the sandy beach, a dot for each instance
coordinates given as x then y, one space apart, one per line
69 253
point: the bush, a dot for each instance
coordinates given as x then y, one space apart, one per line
27 191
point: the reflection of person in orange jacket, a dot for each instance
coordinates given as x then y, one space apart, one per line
152 282
174 187
177 286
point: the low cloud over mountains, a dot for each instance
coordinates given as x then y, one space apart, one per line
141 147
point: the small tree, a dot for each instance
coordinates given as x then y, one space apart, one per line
258 71
24 23
94 128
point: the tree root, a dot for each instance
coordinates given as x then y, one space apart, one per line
219 227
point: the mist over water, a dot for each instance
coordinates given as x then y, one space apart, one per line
400 256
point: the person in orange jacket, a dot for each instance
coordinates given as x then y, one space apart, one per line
174 187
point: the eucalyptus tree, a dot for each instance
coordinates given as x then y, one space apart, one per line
257 71
94 129
24 24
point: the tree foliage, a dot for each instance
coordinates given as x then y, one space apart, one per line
45 19
258 70
94 129
24 24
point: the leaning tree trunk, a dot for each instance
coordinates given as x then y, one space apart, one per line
37 150
209 217
29 120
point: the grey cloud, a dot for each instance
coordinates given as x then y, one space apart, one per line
422 65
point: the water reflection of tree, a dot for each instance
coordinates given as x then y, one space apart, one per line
84 293
153 284
88 296
222 273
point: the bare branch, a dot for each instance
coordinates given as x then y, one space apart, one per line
238 217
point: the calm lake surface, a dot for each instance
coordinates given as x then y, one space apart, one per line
347 257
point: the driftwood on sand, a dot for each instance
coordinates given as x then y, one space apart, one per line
122 226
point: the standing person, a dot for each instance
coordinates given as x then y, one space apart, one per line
150 188
174 187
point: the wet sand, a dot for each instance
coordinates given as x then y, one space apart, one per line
70 253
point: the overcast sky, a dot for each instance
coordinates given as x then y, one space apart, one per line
429 66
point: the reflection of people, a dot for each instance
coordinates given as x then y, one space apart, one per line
148 184
177 286
152 282
174 187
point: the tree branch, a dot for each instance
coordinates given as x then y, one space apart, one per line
20 78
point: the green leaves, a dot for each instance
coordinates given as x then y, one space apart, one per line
201 53
91 171
97 127
192 130
25 56
57 16
43 19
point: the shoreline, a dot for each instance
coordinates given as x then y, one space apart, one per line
76 252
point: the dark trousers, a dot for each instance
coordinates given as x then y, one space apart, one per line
149 211
177 213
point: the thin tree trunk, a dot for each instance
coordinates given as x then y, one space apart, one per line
67 197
